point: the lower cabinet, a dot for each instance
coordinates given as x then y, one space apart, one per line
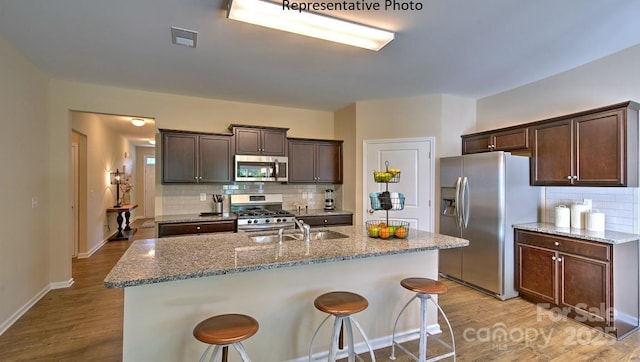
193 228
579 279
330 220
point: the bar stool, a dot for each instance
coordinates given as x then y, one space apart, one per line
341 305
424 288
224 330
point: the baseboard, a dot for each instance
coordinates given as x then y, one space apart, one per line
95 248
61 285
24 309
377 343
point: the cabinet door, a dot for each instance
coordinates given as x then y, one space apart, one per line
476 144
599 149
247 141
585 286
179 158
516 139
536 272
273 143
301 161
552 154
329 162
327 220
215 159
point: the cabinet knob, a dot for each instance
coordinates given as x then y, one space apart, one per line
569 177
197 227
559 260
556 243
326 221
553 258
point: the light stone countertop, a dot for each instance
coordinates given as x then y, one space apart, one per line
169 219
177 258
318 212
607 237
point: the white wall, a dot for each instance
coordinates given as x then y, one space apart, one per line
24 244
610 80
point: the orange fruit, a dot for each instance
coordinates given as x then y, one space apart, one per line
382 225
401 232
384 233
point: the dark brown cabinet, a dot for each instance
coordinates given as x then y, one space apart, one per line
327 220
194 228
315 161
579 278
196 157
268 141
510 139
597 148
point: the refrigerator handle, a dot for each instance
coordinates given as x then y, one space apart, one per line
458 203
465 202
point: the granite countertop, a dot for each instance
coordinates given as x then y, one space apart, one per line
169 219
608 237
169 259
318 212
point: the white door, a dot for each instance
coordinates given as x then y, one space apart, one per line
149 186
413 157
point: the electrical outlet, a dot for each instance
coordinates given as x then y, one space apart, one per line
203 197
34 202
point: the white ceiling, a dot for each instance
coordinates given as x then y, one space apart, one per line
470 48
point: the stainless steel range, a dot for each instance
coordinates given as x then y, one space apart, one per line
260 212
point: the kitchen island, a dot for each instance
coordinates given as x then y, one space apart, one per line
171 284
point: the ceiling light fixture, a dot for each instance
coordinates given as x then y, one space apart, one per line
137 122
277 16
151 141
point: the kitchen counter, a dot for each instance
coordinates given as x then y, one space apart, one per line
607 237
169 259
172 284
168 219
318 212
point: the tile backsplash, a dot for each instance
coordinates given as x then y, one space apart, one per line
619 204
185 199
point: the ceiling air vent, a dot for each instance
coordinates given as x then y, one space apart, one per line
188 38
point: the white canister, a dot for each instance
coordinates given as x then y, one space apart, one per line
594 221
577 215
563 216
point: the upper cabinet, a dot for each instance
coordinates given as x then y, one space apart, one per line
508 139
253 140
189 157
315 161
593 148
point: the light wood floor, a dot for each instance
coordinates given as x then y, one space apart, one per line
84 323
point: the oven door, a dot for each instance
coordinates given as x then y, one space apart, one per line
261 168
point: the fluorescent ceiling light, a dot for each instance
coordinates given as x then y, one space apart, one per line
137 122
275 16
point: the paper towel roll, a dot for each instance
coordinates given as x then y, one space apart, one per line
594 221
563 216
577 215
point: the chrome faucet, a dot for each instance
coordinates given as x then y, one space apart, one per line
280 231
306 228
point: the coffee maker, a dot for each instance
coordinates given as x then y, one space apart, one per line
329 203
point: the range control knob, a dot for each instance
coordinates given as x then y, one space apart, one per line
255 221
248 221
268 220
279 220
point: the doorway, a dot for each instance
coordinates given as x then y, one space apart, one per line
413 156
78 194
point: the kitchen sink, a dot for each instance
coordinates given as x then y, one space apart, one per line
314 235
322 235
272 238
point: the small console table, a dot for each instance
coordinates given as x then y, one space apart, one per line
127 232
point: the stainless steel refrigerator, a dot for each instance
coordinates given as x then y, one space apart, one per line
482 196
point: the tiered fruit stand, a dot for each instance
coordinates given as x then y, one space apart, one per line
385 200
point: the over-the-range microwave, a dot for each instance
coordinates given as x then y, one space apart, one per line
261 168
